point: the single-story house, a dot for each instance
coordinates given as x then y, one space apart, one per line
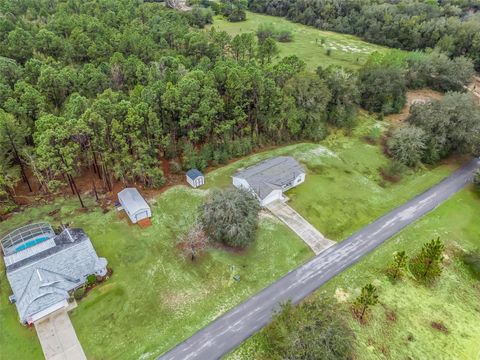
134 205
269 179
44 268
195 178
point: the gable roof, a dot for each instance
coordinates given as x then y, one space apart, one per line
45 278
271 174
131 199
194 173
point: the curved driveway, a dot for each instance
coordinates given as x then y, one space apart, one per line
231 329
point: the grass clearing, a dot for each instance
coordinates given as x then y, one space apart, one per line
343 190
309 43
155 298
400 326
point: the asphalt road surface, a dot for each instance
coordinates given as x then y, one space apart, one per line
230 330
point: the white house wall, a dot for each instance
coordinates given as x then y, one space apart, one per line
299 179
274 195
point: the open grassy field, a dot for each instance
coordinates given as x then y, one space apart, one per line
309 43
343 190
155 298
400 326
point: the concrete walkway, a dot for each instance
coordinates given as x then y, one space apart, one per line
58 338
300 226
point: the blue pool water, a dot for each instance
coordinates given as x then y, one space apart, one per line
31 243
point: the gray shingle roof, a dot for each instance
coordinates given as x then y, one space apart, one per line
45 278
194 173
271 174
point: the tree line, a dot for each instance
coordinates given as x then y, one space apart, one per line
451 26
121 86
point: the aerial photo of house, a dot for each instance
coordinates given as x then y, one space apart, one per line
44 269
240 180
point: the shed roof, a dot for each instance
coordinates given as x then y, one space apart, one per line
132 200
194 173
44 279
271 174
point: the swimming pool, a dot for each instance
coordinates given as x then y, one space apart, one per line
31 243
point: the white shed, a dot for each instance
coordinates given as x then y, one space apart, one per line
134 204
195 178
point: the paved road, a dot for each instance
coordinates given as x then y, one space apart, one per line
306 231
231 329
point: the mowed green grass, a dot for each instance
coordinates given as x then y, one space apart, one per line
400 326
155 298
343 190
309 43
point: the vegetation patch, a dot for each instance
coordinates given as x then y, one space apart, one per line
307 43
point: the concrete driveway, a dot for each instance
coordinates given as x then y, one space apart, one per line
58 338
300 226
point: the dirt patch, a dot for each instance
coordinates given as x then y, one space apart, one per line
439 326
341 295
391 316
414 97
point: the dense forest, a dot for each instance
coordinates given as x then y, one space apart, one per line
452 26
122 86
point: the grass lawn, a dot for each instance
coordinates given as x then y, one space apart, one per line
309 43
400 326
155 298
343 190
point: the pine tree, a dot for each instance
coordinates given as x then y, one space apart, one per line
367 298
398 265
427 265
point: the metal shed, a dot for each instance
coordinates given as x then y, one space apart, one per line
195 178
134 204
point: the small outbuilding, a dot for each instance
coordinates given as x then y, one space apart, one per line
195 178
134 205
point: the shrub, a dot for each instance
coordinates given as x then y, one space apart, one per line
472 261
284 36
266 31
328 52
374 135
91 279
407 145
237 15
312 330
427 265
230 217
79 293
368 297
393 171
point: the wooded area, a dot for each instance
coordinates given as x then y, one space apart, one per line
119 87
